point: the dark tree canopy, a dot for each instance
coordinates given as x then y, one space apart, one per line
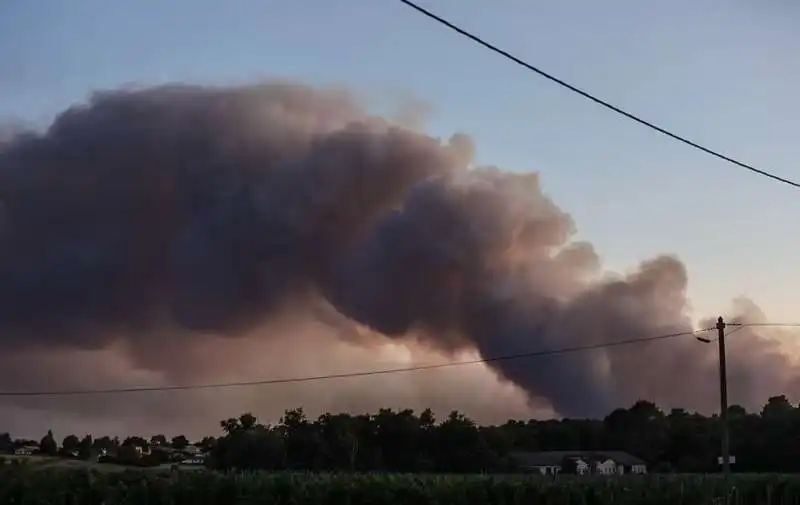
180 442
48 444
406 441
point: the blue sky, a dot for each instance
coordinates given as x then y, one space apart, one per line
722 72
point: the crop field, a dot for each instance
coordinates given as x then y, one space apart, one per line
22 485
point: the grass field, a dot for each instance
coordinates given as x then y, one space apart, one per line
61 485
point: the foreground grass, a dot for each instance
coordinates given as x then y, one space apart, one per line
20 485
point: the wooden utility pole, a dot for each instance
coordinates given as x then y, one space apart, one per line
723 402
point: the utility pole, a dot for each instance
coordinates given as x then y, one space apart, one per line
723 402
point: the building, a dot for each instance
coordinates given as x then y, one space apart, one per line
581 467
606 466
580 462
26 450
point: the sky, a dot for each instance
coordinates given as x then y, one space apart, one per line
721 73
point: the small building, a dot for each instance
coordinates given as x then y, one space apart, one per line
26 450
580 462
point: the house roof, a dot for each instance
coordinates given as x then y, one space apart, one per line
555 458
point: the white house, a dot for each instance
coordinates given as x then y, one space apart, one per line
26 450
581 467
607 467
583 463
545 463
549 469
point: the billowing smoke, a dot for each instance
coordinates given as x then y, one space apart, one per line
156 219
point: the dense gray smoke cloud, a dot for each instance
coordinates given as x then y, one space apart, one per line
151 219
313 349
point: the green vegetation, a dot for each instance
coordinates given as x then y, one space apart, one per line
407 442
20 485
404 441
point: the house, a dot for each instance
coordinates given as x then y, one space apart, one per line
607 466
582 467
580 462
546 463
576 465
26 450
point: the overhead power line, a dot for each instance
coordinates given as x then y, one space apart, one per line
766 325
314 378
346 375
599 101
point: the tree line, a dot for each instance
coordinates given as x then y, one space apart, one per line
404 441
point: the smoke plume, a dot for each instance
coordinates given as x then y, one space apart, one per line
157 221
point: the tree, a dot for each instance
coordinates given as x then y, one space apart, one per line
302 441
135 442
70 443
85 447
158 441
180 442
765 440
259 448
338 435
207 443
128 455
459 447
229 426
48 444
106 444
247 421
6 443
398 437
777 407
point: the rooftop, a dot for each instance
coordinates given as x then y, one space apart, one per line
555 458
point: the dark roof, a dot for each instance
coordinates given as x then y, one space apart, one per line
555 458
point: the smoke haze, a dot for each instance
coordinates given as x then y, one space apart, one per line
186 234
